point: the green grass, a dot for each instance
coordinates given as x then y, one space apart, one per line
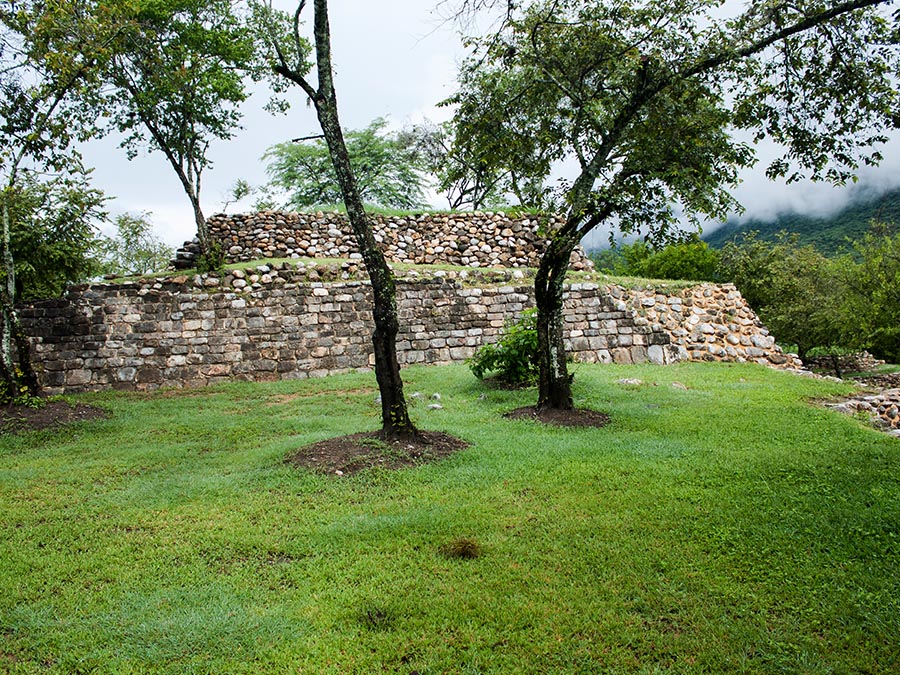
728 528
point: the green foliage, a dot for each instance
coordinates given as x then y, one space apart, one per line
850 302
16 393
513 358
212 259
461 174
831 235
872 296
135 249
388 169
795 290
53 235
178 74
645 97
689 259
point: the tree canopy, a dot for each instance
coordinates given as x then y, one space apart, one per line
646 99
389 172
134 249
51 55
54 232
179 71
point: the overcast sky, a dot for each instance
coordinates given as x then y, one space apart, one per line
395 59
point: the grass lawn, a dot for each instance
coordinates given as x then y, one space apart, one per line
730 527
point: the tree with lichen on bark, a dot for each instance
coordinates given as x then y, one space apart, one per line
645 97
288 53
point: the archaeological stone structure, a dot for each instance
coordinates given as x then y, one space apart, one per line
304 319
479 239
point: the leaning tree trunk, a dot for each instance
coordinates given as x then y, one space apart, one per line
394 413
554 383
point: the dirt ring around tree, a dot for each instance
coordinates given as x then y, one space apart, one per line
51 415
347 455
576 417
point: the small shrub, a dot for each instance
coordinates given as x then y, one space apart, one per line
832 357
17 393
514 357
212 260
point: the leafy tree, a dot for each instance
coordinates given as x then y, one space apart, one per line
178 74
796 291
389 173
688 259
464 179
644 98
871 317
50 55
134 249
288 53
54 232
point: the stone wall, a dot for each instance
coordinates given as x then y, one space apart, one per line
467 239
708 322
857 362
299 321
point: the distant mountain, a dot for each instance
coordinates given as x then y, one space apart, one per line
828 234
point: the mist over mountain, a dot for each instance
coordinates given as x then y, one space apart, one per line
830 234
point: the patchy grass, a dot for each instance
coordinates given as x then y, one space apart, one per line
725 527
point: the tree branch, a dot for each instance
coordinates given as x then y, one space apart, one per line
755 47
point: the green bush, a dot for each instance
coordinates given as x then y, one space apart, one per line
513 358
213 260
689 259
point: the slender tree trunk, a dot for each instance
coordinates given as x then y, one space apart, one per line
10 330
203 235
554 382
394 412
395 422
7 300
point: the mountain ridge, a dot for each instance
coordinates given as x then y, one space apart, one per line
830 234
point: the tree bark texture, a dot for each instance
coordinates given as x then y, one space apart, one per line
10 330
394 413
554 380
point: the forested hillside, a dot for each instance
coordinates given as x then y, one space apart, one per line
829 234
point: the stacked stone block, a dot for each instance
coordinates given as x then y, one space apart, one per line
297 321
479 239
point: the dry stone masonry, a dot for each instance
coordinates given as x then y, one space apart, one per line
307 319
479 239
708 322
882 408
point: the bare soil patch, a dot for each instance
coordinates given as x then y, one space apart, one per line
53 414
351 454
578 417
285 399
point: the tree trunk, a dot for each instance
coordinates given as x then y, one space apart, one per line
394 413
395 419
202 228
554 383
10 331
